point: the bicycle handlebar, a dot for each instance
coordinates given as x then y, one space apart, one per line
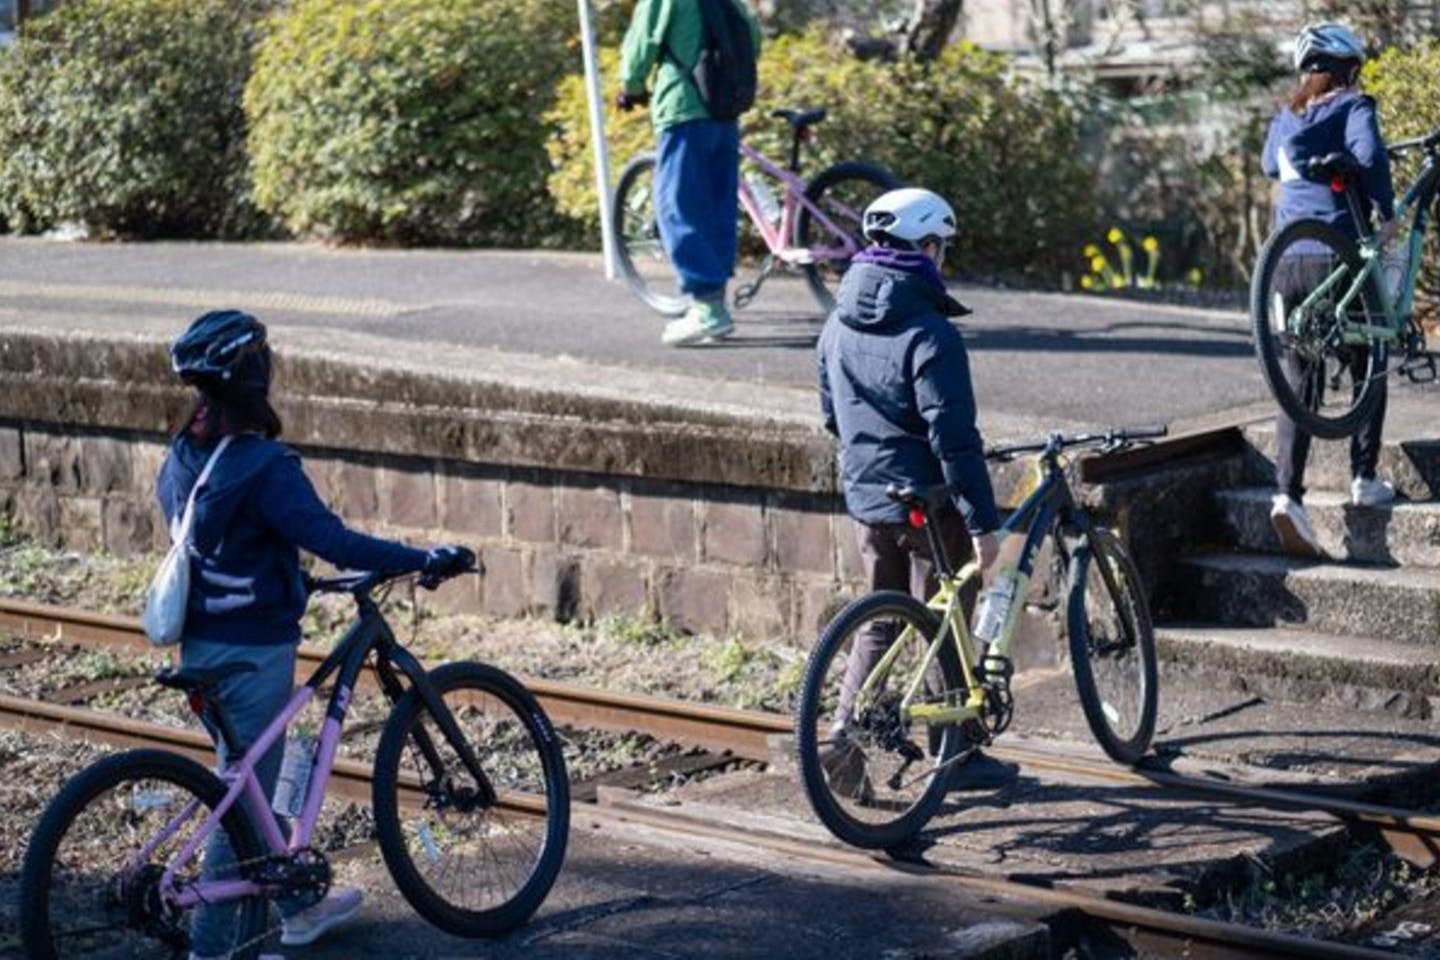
1114 438
1428 142
360 584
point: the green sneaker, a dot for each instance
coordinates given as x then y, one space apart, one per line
706 320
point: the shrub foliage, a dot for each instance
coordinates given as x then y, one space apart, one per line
126 115
408 121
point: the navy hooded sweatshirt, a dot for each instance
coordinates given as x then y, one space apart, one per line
1344 123
254 513
895 389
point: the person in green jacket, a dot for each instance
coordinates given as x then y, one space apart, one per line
698 165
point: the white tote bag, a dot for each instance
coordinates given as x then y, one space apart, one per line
169 593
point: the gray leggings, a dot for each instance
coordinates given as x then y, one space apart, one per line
251 701
896 556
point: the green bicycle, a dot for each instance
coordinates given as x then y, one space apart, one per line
1325 356
877 740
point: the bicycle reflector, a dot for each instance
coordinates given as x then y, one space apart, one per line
917 518
1337 184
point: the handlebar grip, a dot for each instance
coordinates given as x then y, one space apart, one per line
1144 432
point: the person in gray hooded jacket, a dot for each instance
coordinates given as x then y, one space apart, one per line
895 390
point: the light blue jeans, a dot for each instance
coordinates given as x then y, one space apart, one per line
251 701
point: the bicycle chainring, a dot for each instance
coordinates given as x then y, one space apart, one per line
146 910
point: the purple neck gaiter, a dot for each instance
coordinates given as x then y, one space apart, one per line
910 261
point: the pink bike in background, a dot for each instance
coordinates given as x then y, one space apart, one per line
812 225
471 804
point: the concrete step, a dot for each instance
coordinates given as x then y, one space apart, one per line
1405 533
1396 604
1409 457
1303 666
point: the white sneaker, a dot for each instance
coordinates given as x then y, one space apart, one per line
1292 526
311 924
705 322
1371 493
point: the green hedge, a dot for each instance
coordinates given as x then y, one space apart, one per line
409 121
1405 82
126 115
1005 154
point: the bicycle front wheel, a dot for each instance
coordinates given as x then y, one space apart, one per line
1112 646
1327 385
644 262
471 865
874 777
90 883
841 193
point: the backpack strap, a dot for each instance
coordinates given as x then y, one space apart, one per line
186 519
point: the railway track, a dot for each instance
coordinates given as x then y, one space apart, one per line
748 735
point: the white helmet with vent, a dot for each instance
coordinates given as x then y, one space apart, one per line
911 215
1326 41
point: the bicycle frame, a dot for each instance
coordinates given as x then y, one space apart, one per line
369 632
776 236
1418 198
1051 500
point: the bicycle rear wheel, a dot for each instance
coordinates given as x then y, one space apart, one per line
1328 387
90 883
1112 646
873 777
473 868
644 263
842 193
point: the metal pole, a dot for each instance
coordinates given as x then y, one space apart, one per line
596 101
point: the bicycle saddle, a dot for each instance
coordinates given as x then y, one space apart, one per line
1338 164
929 499
801 118
201 679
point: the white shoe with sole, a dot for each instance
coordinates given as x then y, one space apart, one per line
1292 525
1371 493
311 924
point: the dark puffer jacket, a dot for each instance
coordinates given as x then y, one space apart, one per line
895 389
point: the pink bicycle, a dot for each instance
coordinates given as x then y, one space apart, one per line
470 796
813 226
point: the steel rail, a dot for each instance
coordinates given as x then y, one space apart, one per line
748 733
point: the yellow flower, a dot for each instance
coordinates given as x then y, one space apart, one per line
1087 282
1097 263
1091 250
1150 244
1115 235
1195 275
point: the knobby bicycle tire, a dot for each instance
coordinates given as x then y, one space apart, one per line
478 683
859 170
1125 595
810 716
625 201
1270 352
38 871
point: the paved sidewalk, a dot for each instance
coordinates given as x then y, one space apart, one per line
1040 361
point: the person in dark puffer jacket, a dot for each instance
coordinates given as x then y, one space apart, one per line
1327 114
895 390
247 593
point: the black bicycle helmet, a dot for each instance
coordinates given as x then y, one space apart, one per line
223 347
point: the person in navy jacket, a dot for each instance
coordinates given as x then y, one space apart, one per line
255 513
1327 114
895 390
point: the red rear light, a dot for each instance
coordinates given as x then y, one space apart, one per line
1337 184
917 518
197 704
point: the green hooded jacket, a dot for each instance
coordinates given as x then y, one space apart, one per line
676 25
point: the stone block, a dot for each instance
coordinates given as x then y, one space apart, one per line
502 588
12 453
759 607
128 526
663 526
815 604
356 490
530 512
591 517
324 476
460 595
407 498
735 533
694 600
37 511
146 458
106 465
53 459
847 551
82 522
554 586
613 586
471 505
804 542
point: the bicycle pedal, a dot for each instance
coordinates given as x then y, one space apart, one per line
1421 369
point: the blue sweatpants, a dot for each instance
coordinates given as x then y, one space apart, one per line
696 182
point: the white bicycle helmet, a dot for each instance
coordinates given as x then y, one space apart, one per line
910 215
1320 42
